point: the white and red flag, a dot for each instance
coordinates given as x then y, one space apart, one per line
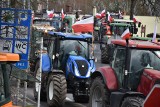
103 13
50 14
62 14
85 25
98 15
109 17
134 19
126 34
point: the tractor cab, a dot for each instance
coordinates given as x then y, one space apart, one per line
114 30
5 95
68 49
136 65
117 27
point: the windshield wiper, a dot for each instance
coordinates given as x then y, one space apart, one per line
157 53
81 44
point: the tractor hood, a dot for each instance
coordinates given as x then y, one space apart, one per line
153 74
149 78
79 67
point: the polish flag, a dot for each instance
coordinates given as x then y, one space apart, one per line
50 14
135 20
103 13
126 34
62 14
85 25
98 15
109 17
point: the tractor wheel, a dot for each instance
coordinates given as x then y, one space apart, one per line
96 36
56 90
99 94
81 98
132 102
104 55
36 84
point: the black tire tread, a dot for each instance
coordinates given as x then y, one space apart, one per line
104 55
134 101
99 81
60 90
96 38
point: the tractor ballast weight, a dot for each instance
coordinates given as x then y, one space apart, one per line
67 62
133 72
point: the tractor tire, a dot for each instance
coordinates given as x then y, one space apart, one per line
56 90
104 55
132 102
81 98
99 94
36 84
96 38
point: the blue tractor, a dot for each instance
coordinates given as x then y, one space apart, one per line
66 67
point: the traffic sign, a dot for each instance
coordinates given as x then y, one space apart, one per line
153 98
15 33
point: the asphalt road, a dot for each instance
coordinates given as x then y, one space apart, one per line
69 100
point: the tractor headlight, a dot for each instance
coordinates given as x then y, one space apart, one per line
76 71
88 73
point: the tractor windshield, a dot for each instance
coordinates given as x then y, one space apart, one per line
118 28
145 58
141 59
56 24
75 47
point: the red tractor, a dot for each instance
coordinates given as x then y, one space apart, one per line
132 73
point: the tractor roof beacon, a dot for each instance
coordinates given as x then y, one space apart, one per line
66 67
5 94
133 71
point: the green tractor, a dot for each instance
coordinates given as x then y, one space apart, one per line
111 31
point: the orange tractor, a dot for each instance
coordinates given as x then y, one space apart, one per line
5 94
